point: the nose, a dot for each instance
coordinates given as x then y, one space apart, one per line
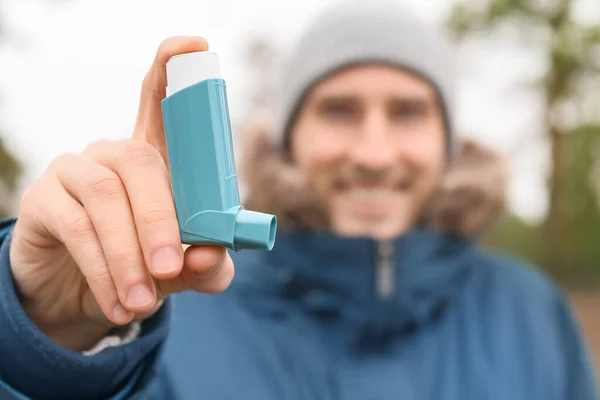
373 149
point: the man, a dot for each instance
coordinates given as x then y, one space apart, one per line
374 289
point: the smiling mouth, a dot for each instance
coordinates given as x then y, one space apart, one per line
373 189
375 200
370 195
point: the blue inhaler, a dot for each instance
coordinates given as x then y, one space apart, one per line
200 149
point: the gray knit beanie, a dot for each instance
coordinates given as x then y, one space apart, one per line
364 31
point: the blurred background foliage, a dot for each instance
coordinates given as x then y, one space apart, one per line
566 242
10 170
10 167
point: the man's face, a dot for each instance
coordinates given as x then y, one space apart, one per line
371 141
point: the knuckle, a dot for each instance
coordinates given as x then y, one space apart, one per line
101 277
41 202
126 255
30 198
138 153
103 183
96 146
79 224
101 283
61 162
155 216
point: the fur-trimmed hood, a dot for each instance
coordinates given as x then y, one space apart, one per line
469 198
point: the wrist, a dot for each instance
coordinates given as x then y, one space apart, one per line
76 333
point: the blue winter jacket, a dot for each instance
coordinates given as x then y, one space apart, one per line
428 316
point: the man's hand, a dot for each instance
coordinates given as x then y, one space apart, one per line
97 244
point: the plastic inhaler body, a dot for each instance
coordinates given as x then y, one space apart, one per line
199 141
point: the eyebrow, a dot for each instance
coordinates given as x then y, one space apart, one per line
325 100
421 101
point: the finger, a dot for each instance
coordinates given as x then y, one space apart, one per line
146 180
103 196
149 123
65 219
207 269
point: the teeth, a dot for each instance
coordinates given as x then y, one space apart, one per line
370 194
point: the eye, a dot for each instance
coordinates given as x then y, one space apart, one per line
338 111
409 111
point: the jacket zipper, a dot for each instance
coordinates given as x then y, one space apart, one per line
385 273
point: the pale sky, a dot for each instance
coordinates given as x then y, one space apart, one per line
72 72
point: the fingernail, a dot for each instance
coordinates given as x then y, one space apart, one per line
139 296
166 260
120 313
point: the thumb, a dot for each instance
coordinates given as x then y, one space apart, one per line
206 269
149 123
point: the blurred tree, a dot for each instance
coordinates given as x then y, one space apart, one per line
10 170
10 167
567 238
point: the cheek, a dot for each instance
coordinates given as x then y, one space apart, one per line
319 164
317 159
424 153
317 156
